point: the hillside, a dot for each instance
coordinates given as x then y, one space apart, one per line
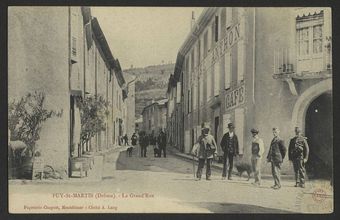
151 83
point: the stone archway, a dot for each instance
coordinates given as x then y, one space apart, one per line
305 99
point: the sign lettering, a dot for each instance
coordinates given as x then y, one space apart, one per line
235 98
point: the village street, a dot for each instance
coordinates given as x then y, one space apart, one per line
135 184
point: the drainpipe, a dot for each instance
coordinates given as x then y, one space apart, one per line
254 48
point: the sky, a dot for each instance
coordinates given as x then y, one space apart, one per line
144 36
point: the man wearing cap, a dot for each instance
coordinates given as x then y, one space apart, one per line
229 145
298 152
257 149
276 154
206 150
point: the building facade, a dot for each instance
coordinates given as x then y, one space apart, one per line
62 52
154 116
246 66
130 102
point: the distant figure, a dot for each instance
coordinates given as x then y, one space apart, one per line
276 154
134 139
298 152
126 140
162 143
144 142
153 143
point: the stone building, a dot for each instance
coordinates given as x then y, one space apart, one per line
257 67
154 116
62 52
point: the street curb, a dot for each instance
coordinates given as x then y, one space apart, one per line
220 166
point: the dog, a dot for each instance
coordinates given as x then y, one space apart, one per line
156 152
244 167
129 151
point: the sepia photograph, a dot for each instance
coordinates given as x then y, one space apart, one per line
170 110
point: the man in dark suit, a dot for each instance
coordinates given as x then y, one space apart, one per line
298 152
162 143
276 154
229 145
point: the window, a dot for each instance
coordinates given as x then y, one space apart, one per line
317 39
74 34
241 54
216 78
208 86
205 44
192 60
201 90
216 28
227 70
189 100
309 34
303 41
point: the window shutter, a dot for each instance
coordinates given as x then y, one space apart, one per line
208 86
178 97
228 65
74 35
201 90
216 28
216 78
240 60
209 40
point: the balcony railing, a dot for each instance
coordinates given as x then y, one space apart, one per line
284 61
288 65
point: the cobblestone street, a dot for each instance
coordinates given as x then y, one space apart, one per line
167 185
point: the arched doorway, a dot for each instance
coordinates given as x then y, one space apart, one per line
319 131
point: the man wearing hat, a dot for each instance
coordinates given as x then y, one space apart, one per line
229 145
206 150
276 154
257 149
298 152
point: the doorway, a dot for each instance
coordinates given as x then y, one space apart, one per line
217 124
319 131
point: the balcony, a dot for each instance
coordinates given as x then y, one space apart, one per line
293 69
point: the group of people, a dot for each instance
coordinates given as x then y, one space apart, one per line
206 148
157 142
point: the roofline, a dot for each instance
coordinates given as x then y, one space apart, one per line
112 62
198 28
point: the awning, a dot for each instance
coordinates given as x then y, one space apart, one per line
308 11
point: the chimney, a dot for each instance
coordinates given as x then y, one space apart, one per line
192 24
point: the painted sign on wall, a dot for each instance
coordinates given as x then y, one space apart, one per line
235 98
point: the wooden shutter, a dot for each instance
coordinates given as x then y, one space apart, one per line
227 70
216 78
74 34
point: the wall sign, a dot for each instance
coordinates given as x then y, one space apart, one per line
235 98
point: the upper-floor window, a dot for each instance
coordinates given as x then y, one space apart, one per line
205 44
309 33
216 28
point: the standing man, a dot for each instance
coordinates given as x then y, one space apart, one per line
144 144
134 139
276 154
229 145
205 151
257 149
162 143
298 152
